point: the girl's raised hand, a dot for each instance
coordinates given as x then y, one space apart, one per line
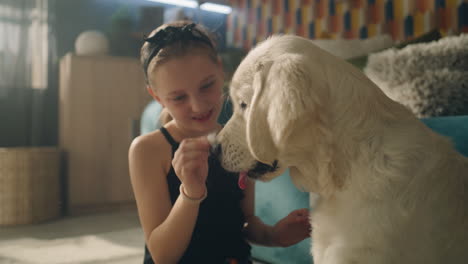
190 163
292 229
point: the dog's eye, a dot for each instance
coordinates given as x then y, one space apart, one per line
243 105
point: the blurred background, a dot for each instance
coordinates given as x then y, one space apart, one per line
72 97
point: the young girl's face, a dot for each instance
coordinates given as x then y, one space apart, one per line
190 87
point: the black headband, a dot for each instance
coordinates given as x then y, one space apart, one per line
171 35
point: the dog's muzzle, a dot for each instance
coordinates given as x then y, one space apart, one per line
262 168
256 172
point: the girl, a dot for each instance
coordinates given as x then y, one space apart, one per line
191 209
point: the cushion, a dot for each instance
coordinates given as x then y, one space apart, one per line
454 127
361 61
429 78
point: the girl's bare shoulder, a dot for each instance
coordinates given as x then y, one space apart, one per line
151 148
151 140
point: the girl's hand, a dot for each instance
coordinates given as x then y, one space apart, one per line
190 163
292 229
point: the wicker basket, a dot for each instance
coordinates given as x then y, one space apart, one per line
29 185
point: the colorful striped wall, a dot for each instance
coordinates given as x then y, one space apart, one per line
253 20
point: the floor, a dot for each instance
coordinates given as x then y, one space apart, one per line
111 232
93 239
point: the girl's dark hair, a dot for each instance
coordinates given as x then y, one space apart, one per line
173 40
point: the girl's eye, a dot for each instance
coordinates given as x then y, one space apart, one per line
208 85
179 98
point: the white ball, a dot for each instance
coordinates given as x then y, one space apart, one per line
91 42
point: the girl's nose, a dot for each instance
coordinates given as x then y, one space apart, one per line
198 105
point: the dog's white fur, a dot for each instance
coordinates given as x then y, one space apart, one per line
391 190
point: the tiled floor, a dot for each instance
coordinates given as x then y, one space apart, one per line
94 239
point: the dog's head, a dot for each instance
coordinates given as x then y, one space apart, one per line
273 103
298 106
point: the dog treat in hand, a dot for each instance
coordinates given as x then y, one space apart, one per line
242 180
212 139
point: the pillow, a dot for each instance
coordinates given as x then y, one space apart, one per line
453 127
361 61
429 78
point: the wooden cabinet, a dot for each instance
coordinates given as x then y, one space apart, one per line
101 101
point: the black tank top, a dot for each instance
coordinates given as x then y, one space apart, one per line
218 230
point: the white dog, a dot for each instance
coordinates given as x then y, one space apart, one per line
391 190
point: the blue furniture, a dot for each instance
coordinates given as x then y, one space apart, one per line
287 197
454 127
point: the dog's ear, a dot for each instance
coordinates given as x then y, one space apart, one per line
282 93
259 138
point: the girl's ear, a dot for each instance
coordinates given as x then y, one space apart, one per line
153 94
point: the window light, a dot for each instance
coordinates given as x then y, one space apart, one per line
223 9
211 7
184 3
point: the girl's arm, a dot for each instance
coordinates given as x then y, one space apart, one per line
256 231
290 230
168 229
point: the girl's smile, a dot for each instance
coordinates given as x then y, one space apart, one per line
204 117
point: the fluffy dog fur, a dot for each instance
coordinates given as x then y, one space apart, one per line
391 190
